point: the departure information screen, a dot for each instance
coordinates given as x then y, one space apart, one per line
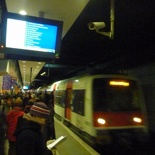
31 36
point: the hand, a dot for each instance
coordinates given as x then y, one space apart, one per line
50 141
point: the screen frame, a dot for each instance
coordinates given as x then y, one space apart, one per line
31 53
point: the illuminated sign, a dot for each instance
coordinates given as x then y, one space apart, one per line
119 83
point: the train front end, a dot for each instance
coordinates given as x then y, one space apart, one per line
119 114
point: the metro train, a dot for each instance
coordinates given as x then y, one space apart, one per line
102 109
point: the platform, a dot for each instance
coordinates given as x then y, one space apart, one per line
72 145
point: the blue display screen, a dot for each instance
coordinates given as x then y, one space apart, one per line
41 35
31 36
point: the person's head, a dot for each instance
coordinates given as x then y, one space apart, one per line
42 97
18 102
28 106
40 111
37 99
30 102
9 100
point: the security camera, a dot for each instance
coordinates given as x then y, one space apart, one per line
96 25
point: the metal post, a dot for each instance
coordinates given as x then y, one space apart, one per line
112 19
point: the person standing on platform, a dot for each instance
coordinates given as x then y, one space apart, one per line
49 128
51 133
7 105
29 136
28 106
12 117
2 132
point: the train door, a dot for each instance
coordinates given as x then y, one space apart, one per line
68 100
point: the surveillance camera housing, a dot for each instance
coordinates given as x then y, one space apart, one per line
96 25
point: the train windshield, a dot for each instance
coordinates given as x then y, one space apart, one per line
115 95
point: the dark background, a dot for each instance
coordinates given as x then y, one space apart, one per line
133 43
134 33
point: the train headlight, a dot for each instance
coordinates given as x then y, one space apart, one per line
101 121
137 120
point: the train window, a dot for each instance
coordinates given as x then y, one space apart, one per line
77 101
115 97
60 97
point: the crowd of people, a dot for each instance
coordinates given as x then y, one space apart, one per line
27 123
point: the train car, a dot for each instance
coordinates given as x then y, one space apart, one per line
102 109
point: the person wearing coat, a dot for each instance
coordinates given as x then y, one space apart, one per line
12 117
2 132
7 104
49 127
29 136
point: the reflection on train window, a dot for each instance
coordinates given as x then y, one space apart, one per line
77 101
115 98
60 97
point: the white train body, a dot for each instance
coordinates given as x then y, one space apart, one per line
99 107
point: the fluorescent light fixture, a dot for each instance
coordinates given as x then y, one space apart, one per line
42 74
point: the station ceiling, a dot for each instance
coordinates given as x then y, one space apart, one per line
81 48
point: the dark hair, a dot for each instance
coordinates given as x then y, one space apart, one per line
8 97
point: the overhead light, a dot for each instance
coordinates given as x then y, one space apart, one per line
22 12
43 73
